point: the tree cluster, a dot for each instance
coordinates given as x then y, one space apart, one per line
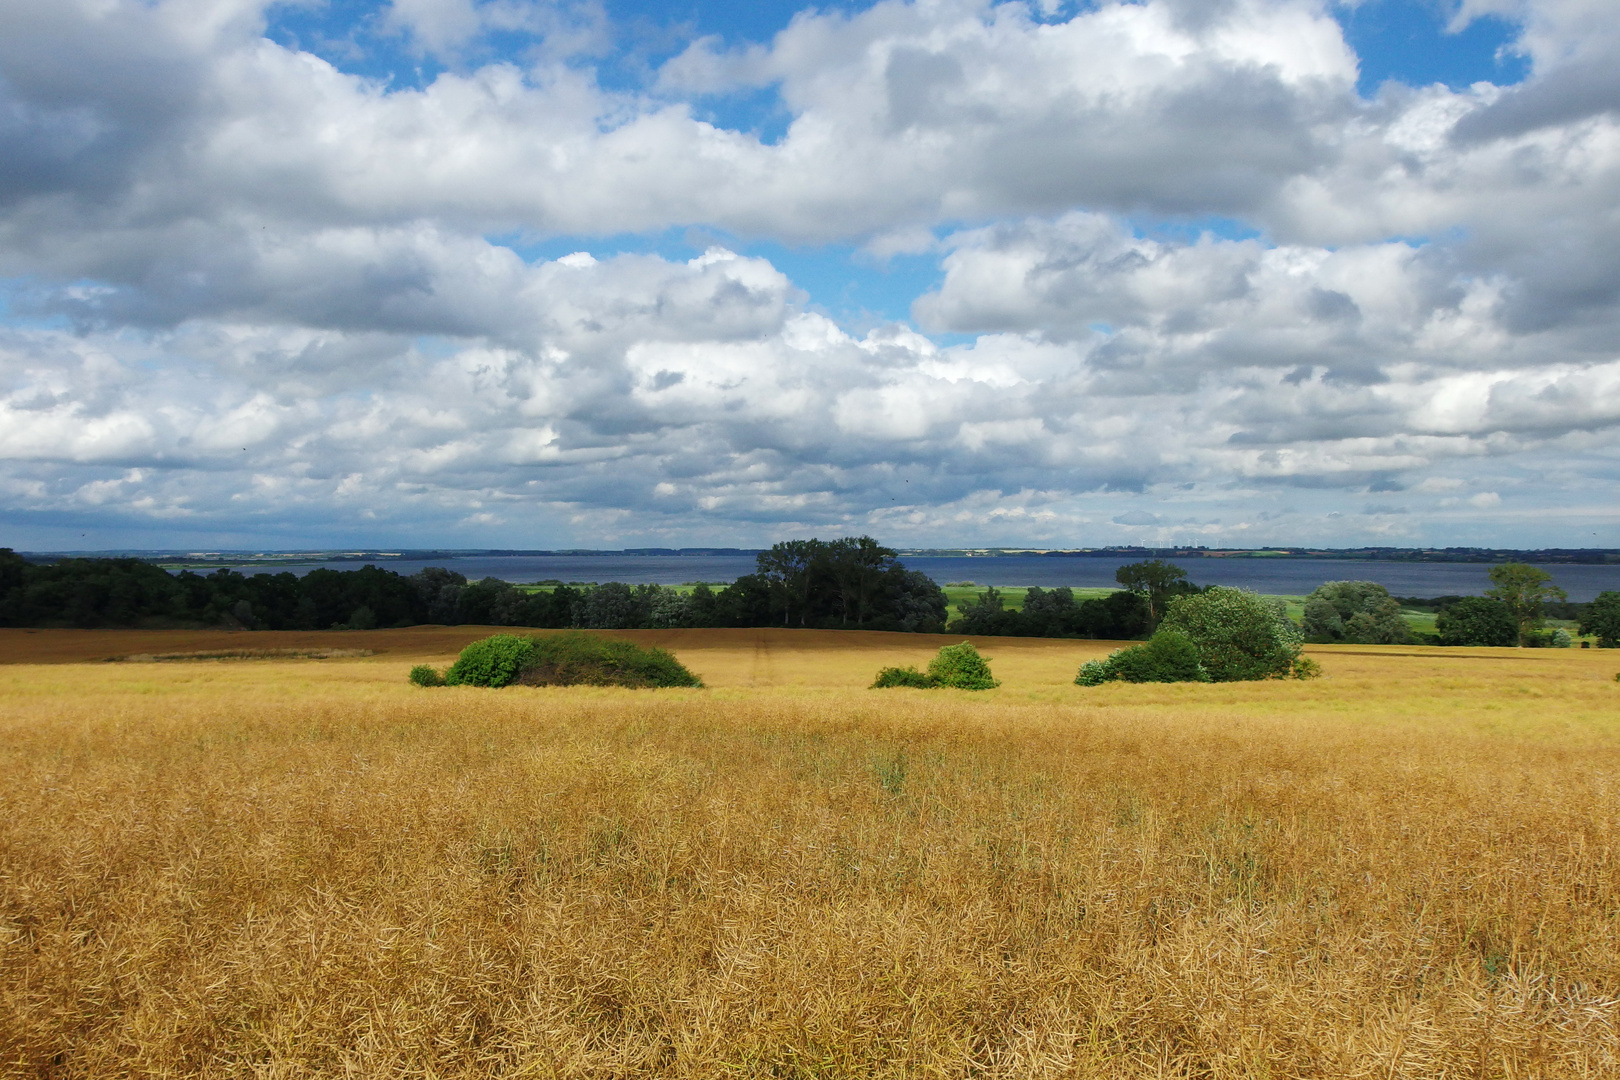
1511 612
1132 612
1477 620
1119 616
850 583
853 582
1219 635
133 593
1354 612
1601 618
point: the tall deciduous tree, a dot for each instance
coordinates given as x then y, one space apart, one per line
1155 581
1477 620
1602 617
787 569
1524 588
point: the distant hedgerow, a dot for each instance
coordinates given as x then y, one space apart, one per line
558 660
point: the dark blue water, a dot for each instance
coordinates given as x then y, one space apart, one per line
1268 575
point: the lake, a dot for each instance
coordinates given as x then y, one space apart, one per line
1267 575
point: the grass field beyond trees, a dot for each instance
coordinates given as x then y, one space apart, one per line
308 867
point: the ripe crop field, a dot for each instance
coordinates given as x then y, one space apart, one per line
300 865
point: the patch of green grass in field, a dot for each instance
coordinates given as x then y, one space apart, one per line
1012 596
1421 622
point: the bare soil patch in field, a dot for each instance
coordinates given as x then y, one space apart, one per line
309 867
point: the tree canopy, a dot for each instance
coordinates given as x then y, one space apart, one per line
1239 634
1358 612
850 583
1477 620
1155 581
1602 618
1524 589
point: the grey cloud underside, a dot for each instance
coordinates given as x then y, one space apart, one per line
265 292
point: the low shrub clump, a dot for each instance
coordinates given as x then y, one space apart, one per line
559 660
901 676
493 661
584 659
1168 656
1219 635
959 667
426 675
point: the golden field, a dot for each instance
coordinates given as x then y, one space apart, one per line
307 867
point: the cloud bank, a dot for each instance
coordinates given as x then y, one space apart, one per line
1193 288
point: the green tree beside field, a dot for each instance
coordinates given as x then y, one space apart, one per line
1524 589
1602 619
1155 581
1219 635
1354 612
1479 621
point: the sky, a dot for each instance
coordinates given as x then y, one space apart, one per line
613 273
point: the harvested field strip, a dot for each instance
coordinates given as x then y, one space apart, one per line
1405 870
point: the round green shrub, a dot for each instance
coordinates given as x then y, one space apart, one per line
426 675
493 661
560 660
585 659
1096 672
1239 634
961 667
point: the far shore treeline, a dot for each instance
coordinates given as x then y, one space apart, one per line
850 583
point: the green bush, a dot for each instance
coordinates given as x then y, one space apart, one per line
1239 634
1601 619
425 675
961 667
585 659
1096 672
558 660
1168 656
1358 612
493 661
1478 620
901 676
